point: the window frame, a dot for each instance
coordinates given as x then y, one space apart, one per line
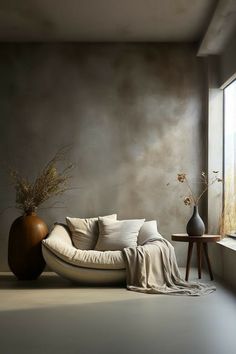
224 148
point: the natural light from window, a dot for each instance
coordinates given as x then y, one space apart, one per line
230 158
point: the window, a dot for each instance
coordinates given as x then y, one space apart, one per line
230 158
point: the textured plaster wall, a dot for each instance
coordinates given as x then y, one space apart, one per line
215 150
228 61
133 114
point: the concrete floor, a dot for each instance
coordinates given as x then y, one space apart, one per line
52 316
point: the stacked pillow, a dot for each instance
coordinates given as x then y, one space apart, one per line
148 232
84 232
117 235
109 234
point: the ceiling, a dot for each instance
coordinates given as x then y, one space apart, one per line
105 20
221 29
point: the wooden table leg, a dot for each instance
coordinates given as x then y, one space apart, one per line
190 249
199 259
205 247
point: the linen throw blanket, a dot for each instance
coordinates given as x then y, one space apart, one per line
152 268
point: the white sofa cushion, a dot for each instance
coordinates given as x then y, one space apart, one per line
59 243
84 232
117 235
148 232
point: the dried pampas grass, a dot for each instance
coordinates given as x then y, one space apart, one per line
228 217
49 183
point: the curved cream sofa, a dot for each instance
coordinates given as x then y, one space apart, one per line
83 266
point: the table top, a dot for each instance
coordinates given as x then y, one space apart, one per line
203 238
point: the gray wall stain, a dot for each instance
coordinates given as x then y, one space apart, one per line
133 114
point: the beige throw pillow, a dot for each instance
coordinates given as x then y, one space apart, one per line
148 232
84 232
117 235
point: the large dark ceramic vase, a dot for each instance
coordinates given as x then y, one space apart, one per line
195 226
25 257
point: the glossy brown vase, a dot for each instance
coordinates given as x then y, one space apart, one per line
25 257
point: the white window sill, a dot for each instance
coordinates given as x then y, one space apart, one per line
228 242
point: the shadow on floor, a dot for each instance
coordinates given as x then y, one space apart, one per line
45 281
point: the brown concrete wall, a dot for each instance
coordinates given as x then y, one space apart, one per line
133 114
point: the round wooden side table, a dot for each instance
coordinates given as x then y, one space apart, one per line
201 242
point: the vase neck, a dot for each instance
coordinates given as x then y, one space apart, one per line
30 213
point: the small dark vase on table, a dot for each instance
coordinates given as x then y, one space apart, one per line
195 226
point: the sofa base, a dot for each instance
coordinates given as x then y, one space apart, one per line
83 275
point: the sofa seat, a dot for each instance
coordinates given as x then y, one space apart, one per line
84 266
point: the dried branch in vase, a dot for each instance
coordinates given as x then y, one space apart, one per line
192 198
